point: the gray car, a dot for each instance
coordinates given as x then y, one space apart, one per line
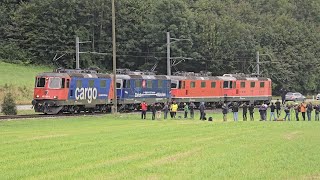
295 96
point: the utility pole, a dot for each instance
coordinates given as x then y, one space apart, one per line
258 73
168 53
114 60
258 64
77 53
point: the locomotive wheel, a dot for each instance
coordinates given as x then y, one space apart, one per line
91 110
72 110
104 109
76 109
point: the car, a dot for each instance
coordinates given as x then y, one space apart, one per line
295 96
318 97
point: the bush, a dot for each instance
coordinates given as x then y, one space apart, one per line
8 106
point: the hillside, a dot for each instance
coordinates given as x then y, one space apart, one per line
19 80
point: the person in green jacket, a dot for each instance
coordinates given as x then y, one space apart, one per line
186 110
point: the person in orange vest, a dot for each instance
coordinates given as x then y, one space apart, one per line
303 108
144 107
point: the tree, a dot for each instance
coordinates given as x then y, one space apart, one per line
8 106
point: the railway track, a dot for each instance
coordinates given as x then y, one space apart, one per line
31 116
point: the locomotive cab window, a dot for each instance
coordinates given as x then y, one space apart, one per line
126 83
55 83
182 84
174 84
41 82
119 83
227 84
63 83
262 84
68 83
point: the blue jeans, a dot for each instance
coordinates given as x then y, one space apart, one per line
272 114
317 117
235 116
287 115
309 115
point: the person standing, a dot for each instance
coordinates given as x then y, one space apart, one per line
278 107
235 109
272 108
224 111
251 111
317 110
153 110
261 109
244 111
202 108
309 110
158 109
287 111
191 107
144 107
264 111
174 109
165 110
297 110
186 110
303 108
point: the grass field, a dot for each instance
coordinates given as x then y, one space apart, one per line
19 80
125 147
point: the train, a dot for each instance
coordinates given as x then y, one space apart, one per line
76 90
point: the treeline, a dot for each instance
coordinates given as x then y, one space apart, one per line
225 36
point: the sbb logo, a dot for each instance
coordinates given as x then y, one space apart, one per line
86 93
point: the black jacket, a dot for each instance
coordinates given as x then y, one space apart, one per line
251 109
235 108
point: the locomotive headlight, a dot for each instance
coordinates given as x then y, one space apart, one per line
37 96
55 97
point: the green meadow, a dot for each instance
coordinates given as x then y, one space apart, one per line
19 80
126 147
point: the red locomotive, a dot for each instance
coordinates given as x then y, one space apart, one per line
193 87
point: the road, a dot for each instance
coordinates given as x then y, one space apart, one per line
23 107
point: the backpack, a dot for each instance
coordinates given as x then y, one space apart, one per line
210 119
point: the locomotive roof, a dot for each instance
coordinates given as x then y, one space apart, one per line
223 78
132 76
80 75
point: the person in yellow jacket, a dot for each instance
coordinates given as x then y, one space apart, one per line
173 109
